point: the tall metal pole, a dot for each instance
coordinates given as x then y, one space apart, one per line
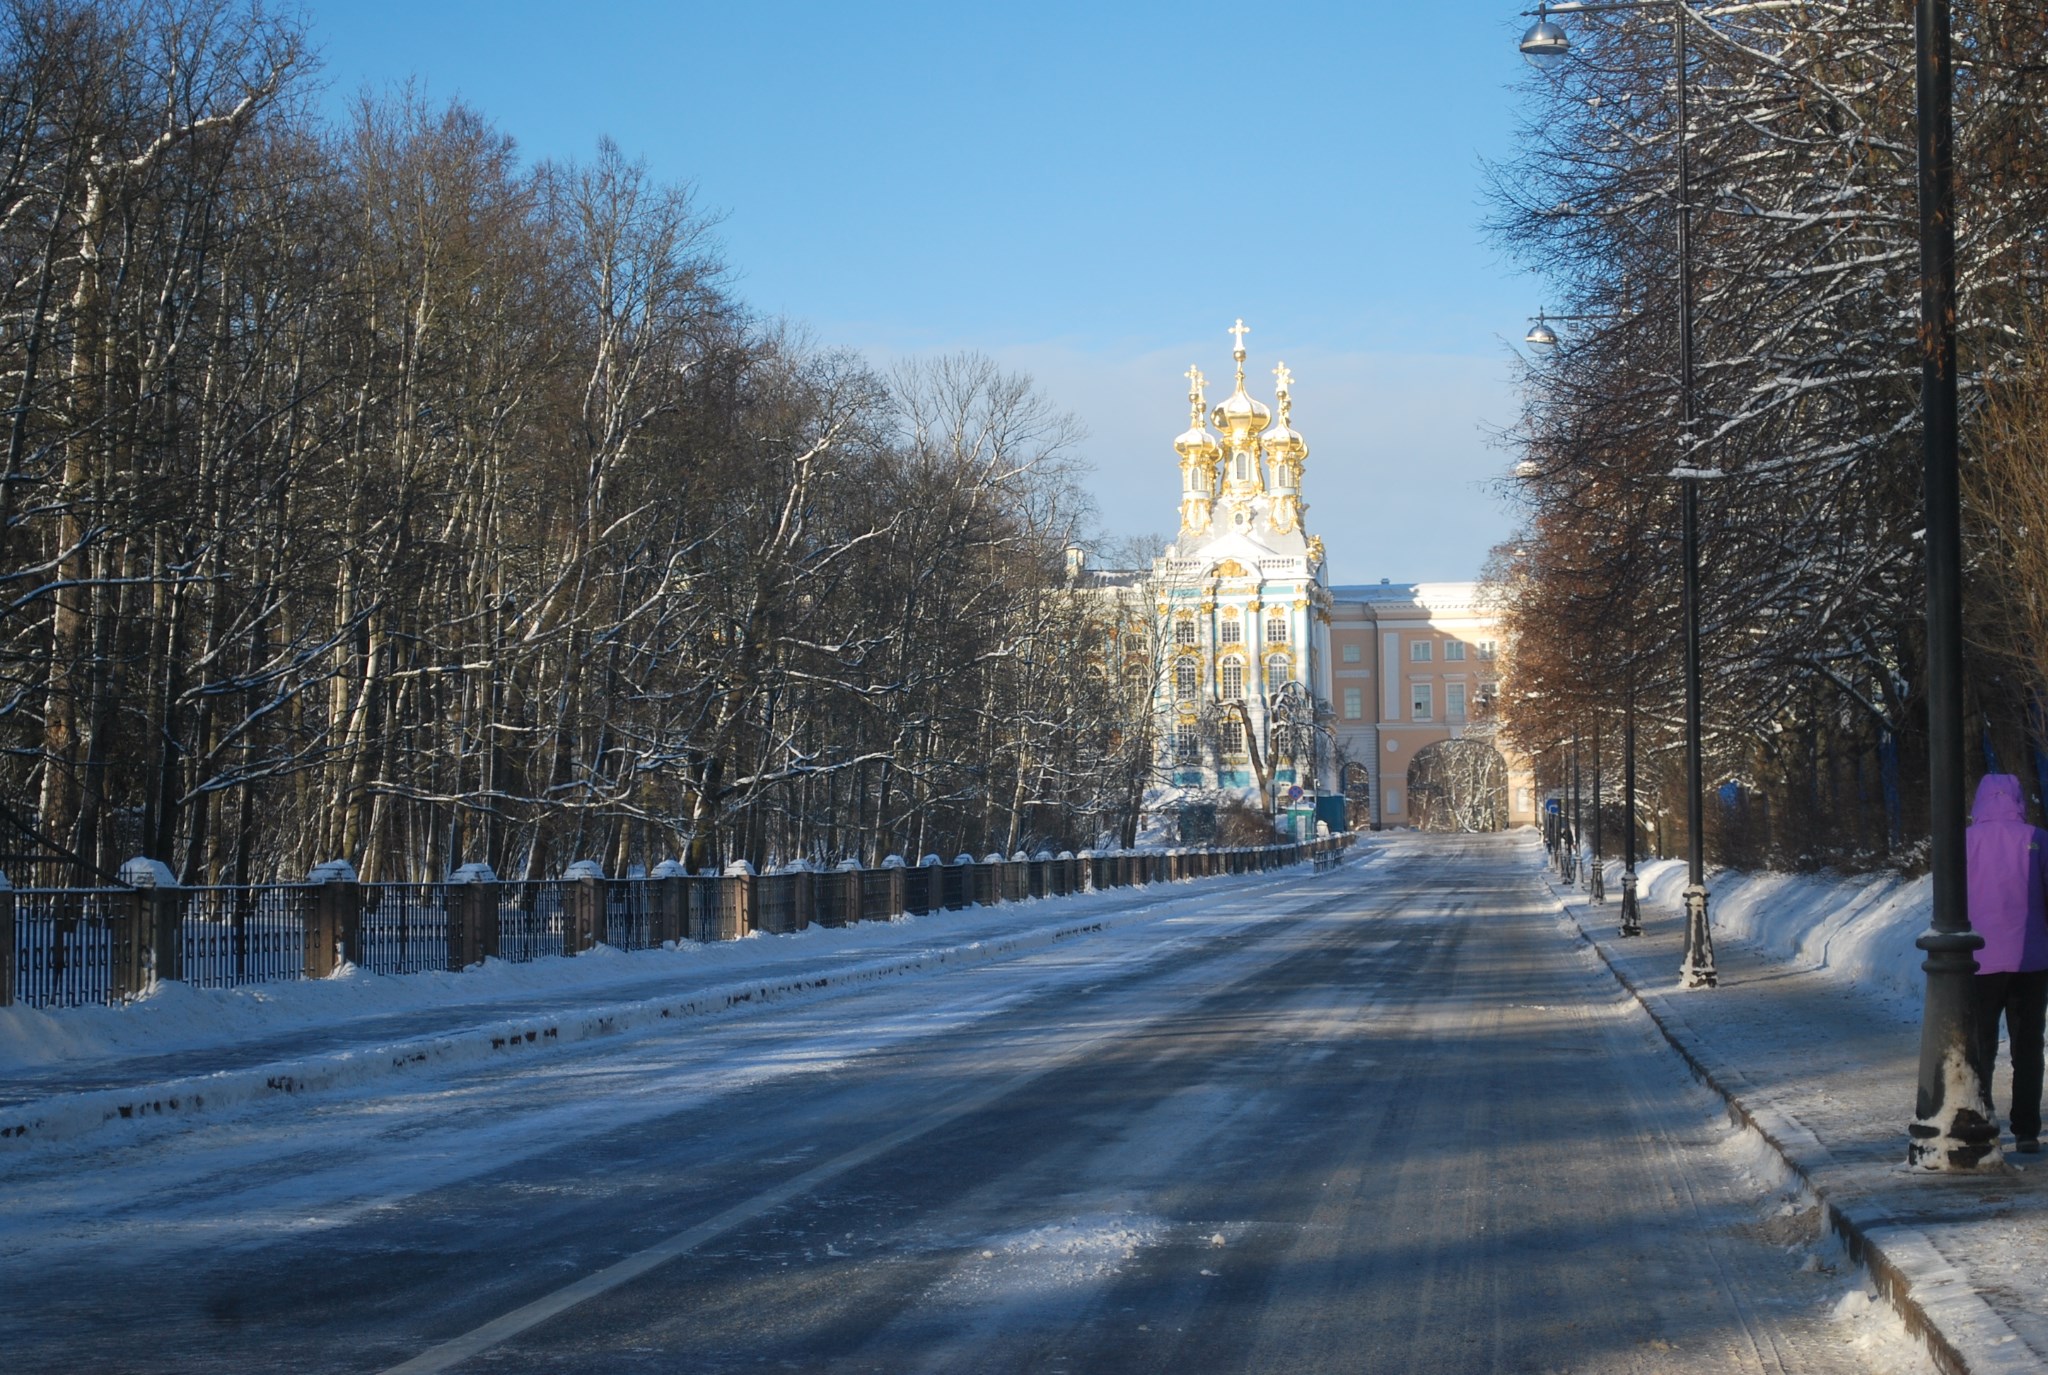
1697 970
1596 882
1952 1128
1573 877
1631 914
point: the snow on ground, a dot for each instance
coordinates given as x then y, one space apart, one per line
1856 929
1814 1033
185 1051
177 1017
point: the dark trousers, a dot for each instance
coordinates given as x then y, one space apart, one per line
2022 999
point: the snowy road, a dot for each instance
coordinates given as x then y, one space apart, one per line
1387 1118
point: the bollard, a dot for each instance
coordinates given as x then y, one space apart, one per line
583 895
472 905
334 921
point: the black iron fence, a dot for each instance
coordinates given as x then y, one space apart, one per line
70 947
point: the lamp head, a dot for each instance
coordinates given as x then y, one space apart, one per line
1545 44
1541 337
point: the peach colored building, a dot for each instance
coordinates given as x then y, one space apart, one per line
1410 665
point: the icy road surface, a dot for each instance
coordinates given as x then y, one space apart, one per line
1391 1118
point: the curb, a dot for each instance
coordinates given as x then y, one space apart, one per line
1962 1333
67 1116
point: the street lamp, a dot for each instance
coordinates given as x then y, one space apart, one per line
1952 1124
1544 44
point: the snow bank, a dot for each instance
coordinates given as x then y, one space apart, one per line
372 1025
1856 929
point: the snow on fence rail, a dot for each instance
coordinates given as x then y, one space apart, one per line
68 947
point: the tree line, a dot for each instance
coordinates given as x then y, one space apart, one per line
372 492
1805 263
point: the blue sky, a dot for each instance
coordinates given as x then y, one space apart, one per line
1091 193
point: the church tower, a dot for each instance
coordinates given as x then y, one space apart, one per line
1246 602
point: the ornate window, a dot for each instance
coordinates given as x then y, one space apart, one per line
1233 680
1278 670
1232 629
1187 742
1233 736
1184 629
1187 678
1276 629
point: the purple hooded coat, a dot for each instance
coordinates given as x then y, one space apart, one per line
2008 879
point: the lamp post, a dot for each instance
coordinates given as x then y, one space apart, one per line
1952 1124
1631 913
1546 44
1596 881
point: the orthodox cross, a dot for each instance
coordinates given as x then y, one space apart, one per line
1284 377
1240 329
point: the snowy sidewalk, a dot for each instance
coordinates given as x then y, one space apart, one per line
183 1049
1824 1063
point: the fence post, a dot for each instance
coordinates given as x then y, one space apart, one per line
848 879
671 902
803 893
736 900
471 899
583 892
155 925
894 866
334 921
7 953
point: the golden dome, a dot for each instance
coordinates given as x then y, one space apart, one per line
1238 412
1282 442
1197 443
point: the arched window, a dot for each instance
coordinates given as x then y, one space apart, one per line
1233 680
1232 630
1184 629
1244 466
1278 670
1276 628
1186 679
1187 742
1233 736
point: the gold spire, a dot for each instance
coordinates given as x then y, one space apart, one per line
1197 445
1282 444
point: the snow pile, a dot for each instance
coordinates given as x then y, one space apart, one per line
1857 929
178 1017
1081 1250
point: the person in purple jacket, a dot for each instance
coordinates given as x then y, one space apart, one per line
2009 908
